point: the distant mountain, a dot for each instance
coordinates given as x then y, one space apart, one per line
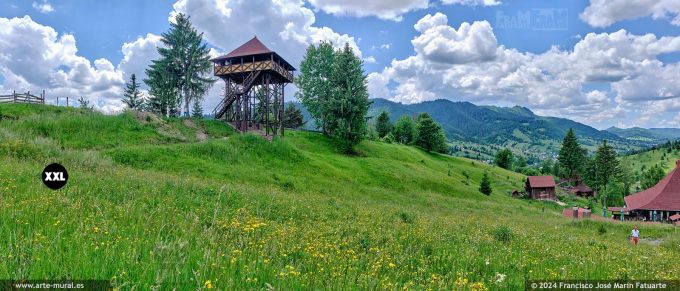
515 127
652 135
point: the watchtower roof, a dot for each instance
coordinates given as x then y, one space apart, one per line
255 48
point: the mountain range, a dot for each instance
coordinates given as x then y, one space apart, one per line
516 127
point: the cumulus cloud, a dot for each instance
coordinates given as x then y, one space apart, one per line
44 7
35 57
554 82
603 13
442 43
389 10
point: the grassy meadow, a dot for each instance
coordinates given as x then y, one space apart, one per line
163 203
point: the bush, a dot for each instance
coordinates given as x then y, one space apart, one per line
407 217
601 229
502 234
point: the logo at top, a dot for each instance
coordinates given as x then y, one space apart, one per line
55 176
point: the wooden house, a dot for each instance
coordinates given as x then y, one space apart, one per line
540 187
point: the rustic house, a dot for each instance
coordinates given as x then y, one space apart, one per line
658 203
540 187
581 190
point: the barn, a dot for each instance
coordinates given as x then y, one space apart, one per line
540 187
658 203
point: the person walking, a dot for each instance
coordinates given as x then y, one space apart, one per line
635 234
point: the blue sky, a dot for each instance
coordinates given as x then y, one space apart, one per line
588 63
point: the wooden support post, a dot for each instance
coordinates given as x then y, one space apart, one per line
66 101
14 94
43 97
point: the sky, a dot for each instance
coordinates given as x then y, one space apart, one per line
600 62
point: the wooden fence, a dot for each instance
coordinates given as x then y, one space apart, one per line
23 98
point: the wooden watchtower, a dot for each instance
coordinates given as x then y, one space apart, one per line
255 78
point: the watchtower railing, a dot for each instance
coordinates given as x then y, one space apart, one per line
23 98
253 66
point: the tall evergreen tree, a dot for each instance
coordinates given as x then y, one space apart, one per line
163 97
197 110
133 97
572 156
292 117
188 61
429 134
603 169
485 185
405 130
346 110
314 83
503 159
382 124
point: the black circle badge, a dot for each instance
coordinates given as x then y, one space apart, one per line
55 176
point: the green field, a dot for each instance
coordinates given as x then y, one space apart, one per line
645 160
150 204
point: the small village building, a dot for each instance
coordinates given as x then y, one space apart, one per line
581 190
675 219
579 213
659 203
540 187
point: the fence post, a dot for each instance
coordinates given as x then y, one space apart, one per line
26 97
14 95
43 97
66 101
57 100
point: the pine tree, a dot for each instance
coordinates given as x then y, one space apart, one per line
382 124
346 109
429 135
85 103
133 97
405 130
187 59
503 159
314 83
571 156
292 117
197 110
485 185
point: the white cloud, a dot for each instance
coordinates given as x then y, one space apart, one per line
473 2
554 82
44 7
389 10
35 57
385 46
370 60
603 13
441 43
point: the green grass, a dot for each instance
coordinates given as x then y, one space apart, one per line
648 159
160 209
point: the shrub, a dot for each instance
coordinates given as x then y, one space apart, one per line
502 233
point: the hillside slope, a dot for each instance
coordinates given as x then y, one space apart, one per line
481 127
150 205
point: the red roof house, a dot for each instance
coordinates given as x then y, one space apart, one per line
659 202
540 187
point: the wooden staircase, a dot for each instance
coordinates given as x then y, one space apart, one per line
231 96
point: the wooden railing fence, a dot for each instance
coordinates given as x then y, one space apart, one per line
23 98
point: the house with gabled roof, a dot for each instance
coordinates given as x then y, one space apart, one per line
540 187
658 203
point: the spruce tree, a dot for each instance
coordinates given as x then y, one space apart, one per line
292 117
405 130
485 185
188 61
382 124
572 156
346 110
197 110
163 97
429 135
314 83
133 97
